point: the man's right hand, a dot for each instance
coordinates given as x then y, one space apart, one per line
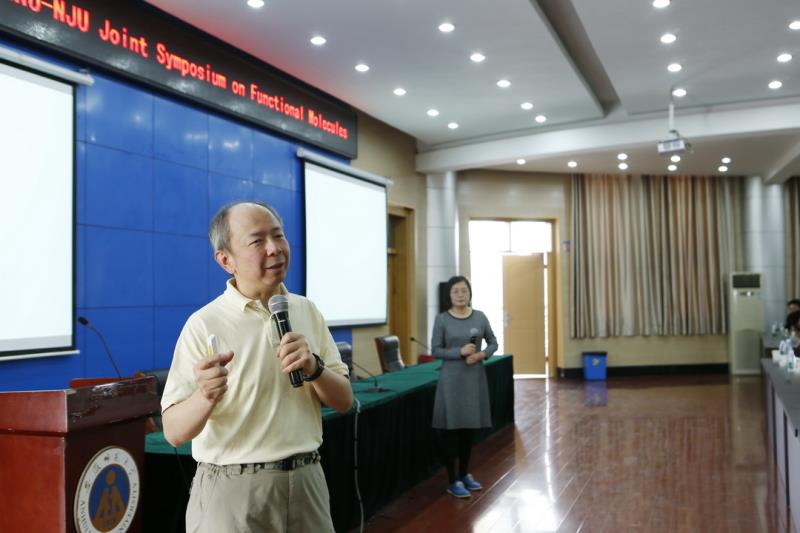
211 376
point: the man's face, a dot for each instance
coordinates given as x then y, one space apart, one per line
259 252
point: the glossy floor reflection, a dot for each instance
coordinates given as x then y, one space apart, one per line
630 454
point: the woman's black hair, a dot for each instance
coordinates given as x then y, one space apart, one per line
458 279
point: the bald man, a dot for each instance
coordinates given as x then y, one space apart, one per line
254 436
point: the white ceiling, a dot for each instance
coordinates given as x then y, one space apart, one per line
728 49
580 62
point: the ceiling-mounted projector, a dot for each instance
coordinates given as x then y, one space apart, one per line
675 144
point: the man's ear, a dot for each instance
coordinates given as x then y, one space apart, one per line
225 260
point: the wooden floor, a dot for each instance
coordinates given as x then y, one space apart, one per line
630 454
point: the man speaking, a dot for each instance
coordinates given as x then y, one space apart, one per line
254 435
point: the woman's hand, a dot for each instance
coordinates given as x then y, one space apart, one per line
475 358
467 350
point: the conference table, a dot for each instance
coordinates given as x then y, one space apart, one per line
782 405
396 446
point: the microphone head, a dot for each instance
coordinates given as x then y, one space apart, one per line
83 320
278 304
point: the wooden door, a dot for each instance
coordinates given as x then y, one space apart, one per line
523 310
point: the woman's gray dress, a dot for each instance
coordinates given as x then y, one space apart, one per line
462 394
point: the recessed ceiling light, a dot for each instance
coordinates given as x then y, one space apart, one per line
477 57
623 166
726 160
794 25
541 119
572 164
503 84
318 40
722 168
775 84
784 58
255 4
674 67
433 112
675 158
361 67
527 106
453 125
520 161
660 4
399 91
446 27
622 156
672 168
668 38
679 92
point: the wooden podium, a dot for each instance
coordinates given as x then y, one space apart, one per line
73 460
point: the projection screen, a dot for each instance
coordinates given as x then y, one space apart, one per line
37 219
346 246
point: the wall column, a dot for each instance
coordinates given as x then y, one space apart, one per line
442 234
763 234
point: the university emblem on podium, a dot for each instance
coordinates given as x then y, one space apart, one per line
107 493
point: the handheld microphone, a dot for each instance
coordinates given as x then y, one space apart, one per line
375 387
421 344
279 308
85 322
474 337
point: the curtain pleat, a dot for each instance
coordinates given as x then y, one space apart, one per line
650 254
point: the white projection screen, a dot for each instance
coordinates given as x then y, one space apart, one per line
37 218
346 255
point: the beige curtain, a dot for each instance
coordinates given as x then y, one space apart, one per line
650 254
792 225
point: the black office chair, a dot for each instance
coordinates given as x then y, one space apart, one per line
346 352
389 356
161 379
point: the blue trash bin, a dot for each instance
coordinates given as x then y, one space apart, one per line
594 366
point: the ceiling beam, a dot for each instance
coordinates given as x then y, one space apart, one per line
786 167
615 133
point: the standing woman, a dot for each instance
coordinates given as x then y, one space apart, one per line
462 394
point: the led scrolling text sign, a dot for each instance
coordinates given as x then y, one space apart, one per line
289 108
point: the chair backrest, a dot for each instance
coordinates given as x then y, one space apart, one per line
346 351
160 374
389 356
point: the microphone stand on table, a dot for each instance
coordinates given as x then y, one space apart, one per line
376 387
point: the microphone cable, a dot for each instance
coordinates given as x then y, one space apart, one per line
355 465
183 472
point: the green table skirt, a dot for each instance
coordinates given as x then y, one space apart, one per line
396 446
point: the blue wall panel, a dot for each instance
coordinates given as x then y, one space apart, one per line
129 334
168 324
119 189
180 270
187 187
230 148
119 267
119 115
181 134
150 172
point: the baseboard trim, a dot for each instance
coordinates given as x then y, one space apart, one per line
651 370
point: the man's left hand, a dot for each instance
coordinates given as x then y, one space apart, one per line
295 354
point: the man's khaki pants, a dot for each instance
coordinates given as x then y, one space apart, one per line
241 498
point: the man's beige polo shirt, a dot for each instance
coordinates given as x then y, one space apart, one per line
261 418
